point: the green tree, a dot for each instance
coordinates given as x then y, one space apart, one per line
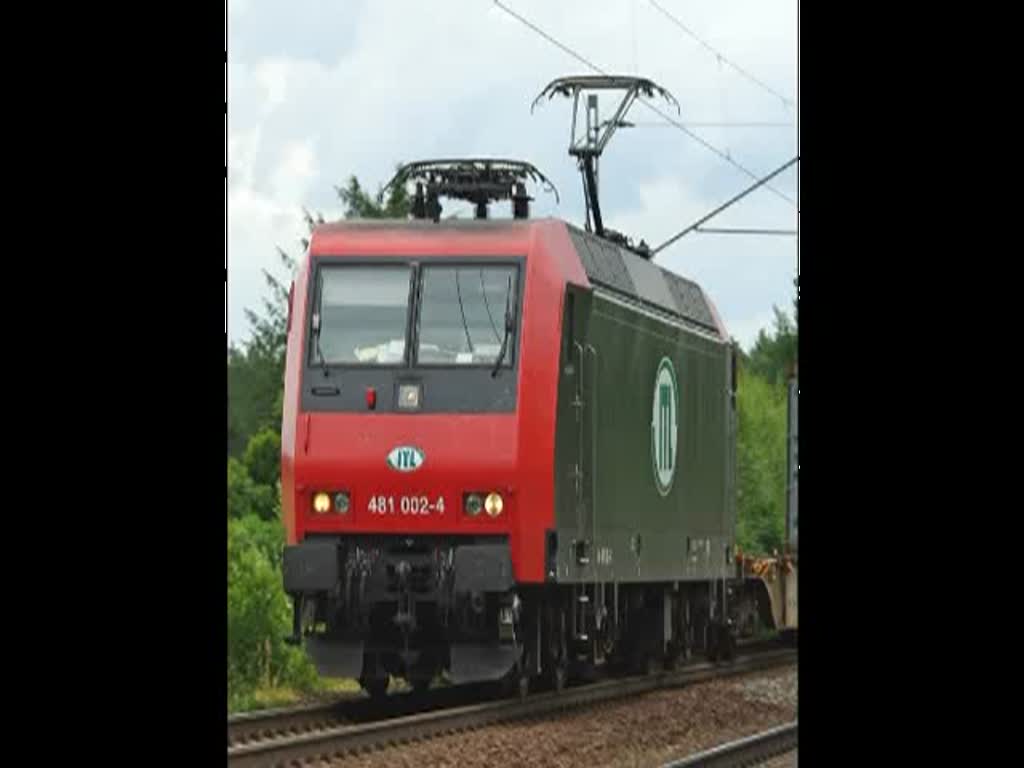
761 460
265 536
247 498
263 457
256 368
393 203
774 352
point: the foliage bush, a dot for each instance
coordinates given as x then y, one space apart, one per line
262 457
761 458
259 614
246 497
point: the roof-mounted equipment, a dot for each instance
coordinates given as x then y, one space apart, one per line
480 181
587 146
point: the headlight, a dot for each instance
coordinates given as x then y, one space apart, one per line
341 503
494 504
321 503
474 504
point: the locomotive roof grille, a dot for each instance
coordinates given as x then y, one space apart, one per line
632 275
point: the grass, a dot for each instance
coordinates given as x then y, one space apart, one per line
326 689
284 696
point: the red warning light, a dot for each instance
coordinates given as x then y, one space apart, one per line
371 398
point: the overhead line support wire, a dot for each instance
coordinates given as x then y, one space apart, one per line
725 205
742 231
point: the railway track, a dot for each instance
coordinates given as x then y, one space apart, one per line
270 723
323 732
747 751
353 709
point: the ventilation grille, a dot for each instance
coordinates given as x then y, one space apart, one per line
616 268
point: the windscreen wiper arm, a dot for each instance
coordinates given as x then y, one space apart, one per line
319 352
509 327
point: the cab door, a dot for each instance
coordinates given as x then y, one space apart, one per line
576 432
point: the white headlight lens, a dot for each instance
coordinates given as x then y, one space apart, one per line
494 504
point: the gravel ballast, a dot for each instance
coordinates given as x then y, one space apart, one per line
642 731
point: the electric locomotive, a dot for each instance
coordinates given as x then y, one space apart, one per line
507 444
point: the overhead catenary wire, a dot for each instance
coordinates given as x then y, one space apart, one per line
727 124
682 127
722 58
743 231
725 205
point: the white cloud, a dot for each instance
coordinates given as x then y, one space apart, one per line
272 75
243 147
331 89
258 221
293 174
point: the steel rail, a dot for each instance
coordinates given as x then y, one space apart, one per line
750 750
267 723
345 739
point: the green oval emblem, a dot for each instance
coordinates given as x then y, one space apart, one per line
406 458
664 426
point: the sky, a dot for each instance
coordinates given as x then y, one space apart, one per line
321 90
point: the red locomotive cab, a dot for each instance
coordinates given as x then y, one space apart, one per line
409 396
420 396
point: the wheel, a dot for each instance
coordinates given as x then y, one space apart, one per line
517 683
721 643
376 687
559 675
678 656
522 685
557 667
643 662
728 645
420 685
556 657
714 643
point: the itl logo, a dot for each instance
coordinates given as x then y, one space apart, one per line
406 458
664 426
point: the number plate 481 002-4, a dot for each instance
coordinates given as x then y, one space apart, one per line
405 505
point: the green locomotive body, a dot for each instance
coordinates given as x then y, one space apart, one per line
645 442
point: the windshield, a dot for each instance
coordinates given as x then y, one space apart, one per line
462 315
362 313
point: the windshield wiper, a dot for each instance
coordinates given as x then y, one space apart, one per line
462 311
319 352
509 327
487 306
